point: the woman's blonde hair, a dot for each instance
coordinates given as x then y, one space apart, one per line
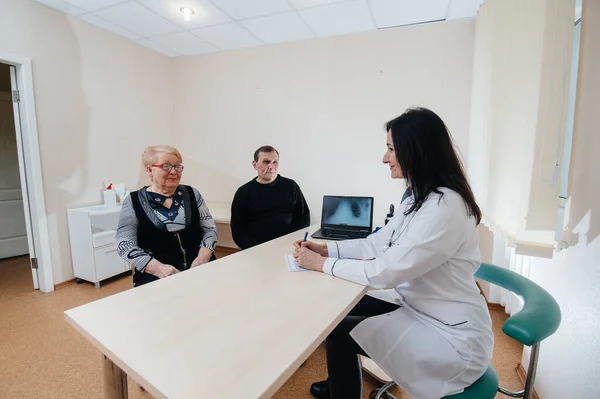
149 154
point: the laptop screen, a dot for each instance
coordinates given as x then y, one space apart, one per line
347 211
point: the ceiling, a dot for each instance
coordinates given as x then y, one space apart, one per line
220 25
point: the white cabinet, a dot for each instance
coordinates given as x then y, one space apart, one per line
92 232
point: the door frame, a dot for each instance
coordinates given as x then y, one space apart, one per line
31 167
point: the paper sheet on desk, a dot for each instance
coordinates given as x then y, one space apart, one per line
293 265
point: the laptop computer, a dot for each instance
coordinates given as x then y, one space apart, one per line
345 218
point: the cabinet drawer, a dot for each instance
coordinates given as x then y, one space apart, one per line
104 238
108 262
105 220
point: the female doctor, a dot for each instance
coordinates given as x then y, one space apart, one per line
432 332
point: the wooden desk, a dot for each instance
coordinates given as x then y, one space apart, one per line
235 328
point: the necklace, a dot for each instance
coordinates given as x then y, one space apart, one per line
160 198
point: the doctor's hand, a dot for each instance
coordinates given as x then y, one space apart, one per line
321 249
308 259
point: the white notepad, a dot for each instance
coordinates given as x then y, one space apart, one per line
293 265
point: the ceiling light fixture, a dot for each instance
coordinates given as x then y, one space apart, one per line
187 12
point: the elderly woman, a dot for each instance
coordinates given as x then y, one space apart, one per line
165 228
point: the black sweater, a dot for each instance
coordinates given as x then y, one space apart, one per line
262 212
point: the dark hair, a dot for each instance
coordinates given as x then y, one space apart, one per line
426 155
264 148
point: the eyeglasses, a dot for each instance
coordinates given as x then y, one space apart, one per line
167 167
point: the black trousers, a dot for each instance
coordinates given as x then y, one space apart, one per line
345 377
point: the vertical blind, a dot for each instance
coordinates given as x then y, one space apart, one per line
518 116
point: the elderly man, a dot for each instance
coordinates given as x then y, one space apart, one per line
268 206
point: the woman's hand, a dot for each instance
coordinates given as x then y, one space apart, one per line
203 257
159 269
309 259
321 249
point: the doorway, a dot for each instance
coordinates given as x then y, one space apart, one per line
15 271
24 240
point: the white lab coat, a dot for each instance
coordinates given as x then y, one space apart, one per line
440 340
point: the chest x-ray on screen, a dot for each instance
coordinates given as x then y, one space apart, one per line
347 211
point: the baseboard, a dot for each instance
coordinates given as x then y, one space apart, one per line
64 284
491 306
523 376
224 251
495 306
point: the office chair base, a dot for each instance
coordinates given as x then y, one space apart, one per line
385 395
381 393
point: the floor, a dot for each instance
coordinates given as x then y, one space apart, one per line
41 356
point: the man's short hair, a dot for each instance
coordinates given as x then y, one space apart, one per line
264 148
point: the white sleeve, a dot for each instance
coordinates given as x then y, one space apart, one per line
435 233
366 248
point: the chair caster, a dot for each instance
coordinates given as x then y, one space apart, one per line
385 395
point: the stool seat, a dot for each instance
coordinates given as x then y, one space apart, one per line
484 388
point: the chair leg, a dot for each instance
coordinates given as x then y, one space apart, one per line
518 394
526 393
383 390
532 369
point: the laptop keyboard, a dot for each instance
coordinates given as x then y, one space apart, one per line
344 233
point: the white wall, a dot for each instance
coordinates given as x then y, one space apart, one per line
323 104
100 99
569 363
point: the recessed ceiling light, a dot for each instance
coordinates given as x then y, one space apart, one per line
187 12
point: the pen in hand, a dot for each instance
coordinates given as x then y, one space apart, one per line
298 244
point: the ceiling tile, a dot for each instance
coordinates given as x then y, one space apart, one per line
93 5
206 13
299 4
338 19
243 9
100 23
62 6
388 13
228 36
278 28
184 43
138 19
158 48
463 9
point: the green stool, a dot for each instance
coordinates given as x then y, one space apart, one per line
539 318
